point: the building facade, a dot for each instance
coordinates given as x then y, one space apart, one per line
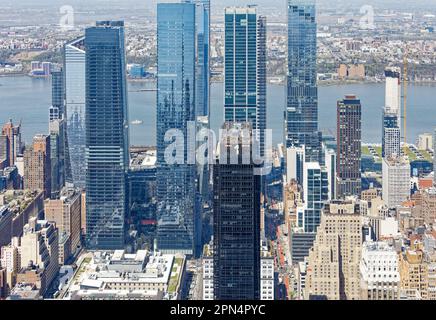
107 135
176 97
37 165
396 181
333 263
349 138
236 246
301 115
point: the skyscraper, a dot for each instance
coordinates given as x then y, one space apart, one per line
301 115
349 138
333 263
391 136
176 68
107 139
396 181
245 69
57 155
74 81
316 193
37 165
236 219
202 21
13 132
393 92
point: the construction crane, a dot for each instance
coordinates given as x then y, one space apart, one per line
405 83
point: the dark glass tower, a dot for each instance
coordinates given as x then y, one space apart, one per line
391 135
301 115
236 209
176 189
349 137
107 143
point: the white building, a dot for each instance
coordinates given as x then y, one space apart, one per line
117 275
425 141
393 91
396 181
379 271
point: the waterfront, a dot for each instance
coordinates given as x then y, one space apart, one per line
28 99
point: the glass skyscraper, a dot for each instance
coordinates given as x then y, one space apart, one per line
107 143
176 189
245 68
202 19
74 82
301 115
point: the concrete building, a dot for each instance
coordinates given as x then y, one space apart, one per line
66 214
428 205
379 272
425 142
13 134
23 204
37 165
39 254
396 181
116 274
333 263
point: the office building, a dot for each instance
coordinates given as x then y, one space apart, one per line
266 273
349 138
4 151
434 158
333 263
176 68
316 193
57 155
74 83
396 181
425 142
13 132
301 115
236 210
245 69
107 135
379 271
37 165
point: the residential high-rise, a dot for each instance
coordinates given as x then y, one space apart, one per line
301 115
65 212
349 139
245 69
37 165
393 92
391 135
4 151
107 135
39 247
236 209
75 93
15 143
379 271
333 263
396 181
176 69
